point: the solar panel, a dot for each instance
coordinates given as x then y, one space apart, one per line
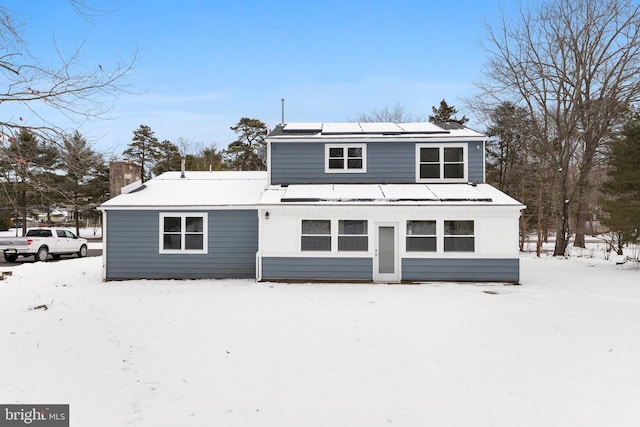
341 128
303 127
380 128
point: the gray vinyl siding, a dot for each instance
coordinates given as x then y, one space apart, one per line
475 154
296 163
303 268
461 269
303 163
387 162
132 247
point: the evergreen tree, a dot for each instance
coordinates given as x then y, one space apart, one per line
508 145
144 150
207 158
80 163
248 152
168 158
27 164
97 189
622 191
446 114
514 165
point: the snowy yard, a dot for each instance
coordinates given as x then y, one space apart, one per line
563 349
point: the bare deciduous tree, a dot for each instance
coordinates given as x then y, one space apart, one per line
574 65
65 88
386 115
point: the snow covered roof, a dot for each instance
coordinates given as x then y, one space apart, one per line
246 189
410 194
196 189
313 131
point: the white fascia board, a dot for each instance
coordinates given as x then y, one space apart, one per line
374 138
180 207
391 206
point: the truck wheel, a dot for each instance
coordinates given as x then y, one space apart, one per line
10 257
42 254
83 251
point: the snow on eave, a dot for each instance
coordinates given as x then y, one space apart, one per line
213 175
196 190
131 187
294 132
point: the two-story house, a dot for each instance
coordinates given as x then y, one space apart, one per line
377 202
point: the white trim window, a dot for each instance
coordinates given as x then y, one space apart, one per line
459 236
183 233
316 235
352 235
441 163
421 236
345 158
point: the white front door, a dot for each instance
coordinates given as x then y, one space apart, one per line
386 258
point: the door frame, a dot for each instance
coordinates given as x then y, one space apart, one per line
396 275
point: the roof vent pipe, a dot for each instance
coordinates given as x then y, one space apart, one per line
282 101
182 163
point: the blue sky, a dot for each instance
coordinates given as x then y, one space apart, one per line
202 65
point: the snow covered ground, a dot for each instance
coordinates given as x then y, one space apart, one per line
563 349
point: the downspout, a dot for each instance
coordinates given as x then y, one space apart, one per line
268 162
104 245
259 253
484 160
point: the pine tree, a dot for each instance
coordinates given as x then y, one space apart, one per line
248 152
622 191
80 162
168 159
446 114
144 150
27 164
207 158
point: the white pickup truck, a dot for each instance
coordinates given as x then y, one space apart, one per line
42 242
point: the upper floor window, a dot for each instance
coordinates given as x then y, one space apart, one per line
183 233
345 158
441 162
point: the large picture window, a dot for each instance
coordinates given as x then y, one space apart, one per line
441 163
421 236
459 236
316 235
352 235
183 233
345 158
